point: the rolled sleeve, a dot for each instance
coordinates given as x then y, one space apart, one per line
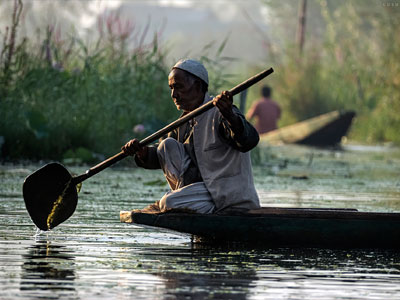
151 162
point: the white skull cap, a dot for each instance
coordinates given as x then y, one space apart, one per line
193 67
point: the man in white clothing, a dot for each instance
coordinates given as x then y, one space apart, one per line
205 161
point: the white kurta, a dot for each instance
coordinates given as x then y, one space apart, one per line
224 167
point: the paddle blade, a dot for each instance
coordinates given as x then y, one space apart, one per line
50 196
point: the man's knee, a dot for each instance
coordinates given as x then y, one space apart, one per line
166 202
168 145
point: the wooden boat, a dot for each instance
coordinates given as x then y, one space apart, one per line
281 227
324 130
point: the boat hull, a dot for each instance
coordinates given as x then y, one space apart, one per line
324 130
274 227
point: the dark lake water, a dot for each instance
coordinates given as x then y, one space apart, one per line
94 256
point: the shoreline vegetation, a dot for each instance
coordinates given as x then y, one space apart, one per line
64 99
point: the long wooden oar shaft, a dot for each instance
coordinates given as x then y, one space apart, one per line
160 133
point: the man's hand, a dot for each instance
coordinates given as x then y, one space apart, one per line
133 147
224 103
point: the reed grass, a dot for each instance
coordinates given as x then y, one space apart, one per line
63 98
92 101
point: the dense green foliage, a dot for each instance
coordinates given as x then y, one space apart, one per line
49 110
61 98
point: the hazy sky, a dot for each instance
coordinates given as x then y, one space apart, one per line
186 26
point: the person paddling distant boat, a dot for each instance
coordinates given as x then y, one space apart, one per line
206 161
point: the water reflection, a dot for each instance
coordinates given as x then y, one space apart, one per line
199 272
235 285
242 273
48 272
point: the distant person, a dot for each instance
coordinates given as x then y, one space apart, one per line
265 111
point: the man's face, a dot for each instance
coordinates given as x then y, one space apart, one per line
186 93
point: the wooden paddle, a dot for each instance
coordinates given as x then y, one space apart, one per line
50 193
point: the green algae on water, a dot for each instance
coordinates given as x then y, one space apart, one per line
59 204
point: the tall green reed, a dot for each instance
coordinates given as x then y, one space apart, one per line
64 95
79 101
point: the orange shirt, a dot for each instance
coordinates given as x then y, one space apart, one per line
267 113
